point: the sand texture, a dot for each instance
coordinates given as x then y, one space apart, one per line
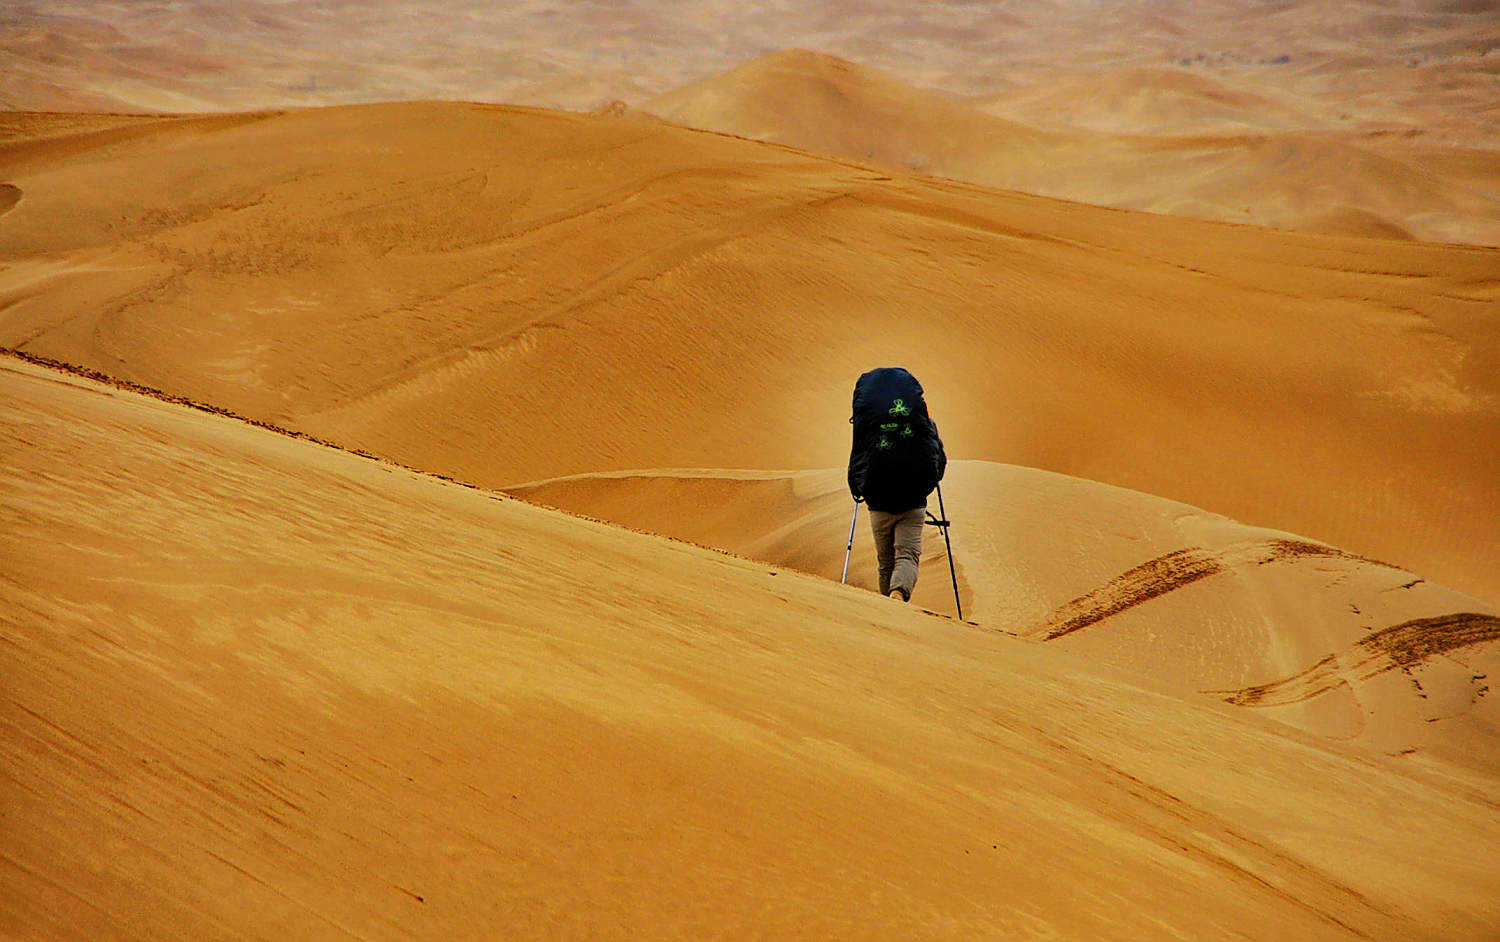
423 436
259 686
507 295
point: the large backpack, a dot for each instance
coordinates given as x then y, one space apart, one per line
897 457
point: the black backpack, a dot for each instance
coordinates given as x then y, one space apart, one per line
897 457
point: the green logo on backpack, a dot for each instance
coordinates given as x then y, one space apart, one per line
900 408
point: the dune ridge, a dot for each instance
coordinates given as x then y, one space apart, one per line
1174 570
1293 174
719 286
1117 105
1398 647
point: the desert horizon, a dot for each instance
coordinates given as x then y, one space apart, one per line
424 470
1371 118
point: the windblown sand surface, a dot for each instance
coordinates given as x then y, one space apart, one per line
507 295
1225 516
1347 647
257 686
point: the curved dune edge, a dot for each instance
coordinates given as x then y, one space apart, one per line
1285 175
382 304
1232 606
769 516
295 693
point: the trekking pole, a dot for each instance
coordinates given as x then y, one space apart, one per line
845 577
951 571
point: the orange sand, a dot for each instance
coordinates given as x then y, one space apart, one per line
260 687
1223 497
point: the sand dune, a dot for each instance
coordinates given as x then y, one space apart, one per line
505 295
1420 63
1194 600
260 687
1268 167
830 105
1160 100
285 657
1226 525
1086 81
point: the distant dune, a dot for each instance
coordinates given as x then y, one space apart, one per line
1219 109
833 106
1159 100
507 295
1210 153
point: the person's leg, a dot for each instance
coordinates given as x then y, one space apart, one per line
906 542
882 526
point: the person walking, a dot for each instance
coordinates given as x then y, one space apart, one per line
897 459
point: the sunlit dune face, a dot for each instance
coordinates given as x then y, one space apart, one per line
600 268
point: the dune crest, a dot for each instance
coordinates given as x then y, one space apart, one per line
1399 647
1290 172
718 298
1098 85
1158 100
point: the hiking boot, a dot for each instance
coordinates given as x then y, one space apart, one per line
899 594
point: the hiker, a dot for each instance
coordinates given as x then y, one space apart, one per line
896 461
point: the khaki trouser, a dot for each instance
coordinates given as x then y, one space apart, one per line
898 548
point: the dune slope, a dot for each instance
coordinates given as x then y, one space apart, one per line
258 687
507 295
1334 643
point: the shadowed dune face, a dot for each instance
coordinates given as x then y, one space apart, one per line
506 295
260 686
